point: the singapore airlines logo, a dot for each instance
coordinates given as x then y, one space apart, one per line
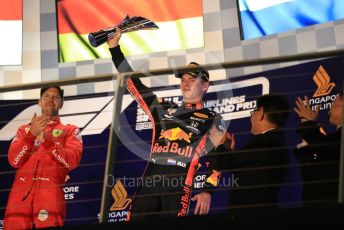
322 80
119 194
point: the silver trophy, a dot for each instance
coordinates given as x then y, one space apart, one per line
128 24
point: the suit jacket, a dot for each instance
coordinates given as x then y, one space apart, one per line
260 167
327 146
319 162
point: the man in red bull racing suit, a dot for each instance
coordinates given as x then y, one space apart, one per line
43 152
180 138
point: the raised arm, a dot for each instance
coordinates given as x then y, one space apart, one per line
142 94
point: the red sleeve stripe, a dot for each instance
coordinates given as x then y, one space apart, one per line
136 94
194 162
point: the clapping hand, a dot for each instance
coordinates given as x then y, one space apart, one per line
304 110
38 125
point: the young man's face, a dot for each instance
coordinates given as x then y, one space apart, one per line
336 111
193 88
50 102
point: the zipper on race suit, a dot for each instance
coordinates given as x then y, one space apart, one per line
33 182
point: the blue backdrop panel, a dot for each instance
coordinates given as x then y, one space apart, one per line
233 99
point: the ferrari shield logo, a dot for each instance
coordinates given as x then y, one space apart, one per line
57 132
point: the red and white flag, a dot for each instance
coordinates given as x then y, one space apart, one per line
11 32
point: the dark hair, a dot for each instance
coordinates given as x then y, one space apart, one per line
56 87
276 107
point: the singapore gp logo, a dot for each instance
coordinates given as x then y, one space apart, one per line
230 107
92 115
95 114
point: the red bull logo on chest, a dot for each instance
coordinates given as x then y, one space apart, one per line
175 134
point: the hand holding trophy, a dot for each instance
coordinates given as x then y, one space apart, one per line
128 24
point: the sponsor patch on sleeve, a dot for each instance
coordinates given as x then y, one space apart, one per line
214 178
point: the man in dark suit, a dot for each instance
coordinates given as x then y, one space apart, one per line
319 156
260 165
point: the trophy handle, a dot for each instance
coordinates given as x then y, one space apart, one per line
128 24
101 36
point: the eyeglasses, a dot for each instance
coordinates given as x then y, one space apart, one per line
252 112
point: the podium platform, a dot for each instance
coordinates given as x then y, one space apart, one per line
331 215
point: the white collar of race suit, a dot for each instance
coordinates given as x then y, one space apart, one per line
57 120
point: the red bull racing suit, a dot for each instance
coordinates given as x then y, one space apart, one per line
180 138
36 195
